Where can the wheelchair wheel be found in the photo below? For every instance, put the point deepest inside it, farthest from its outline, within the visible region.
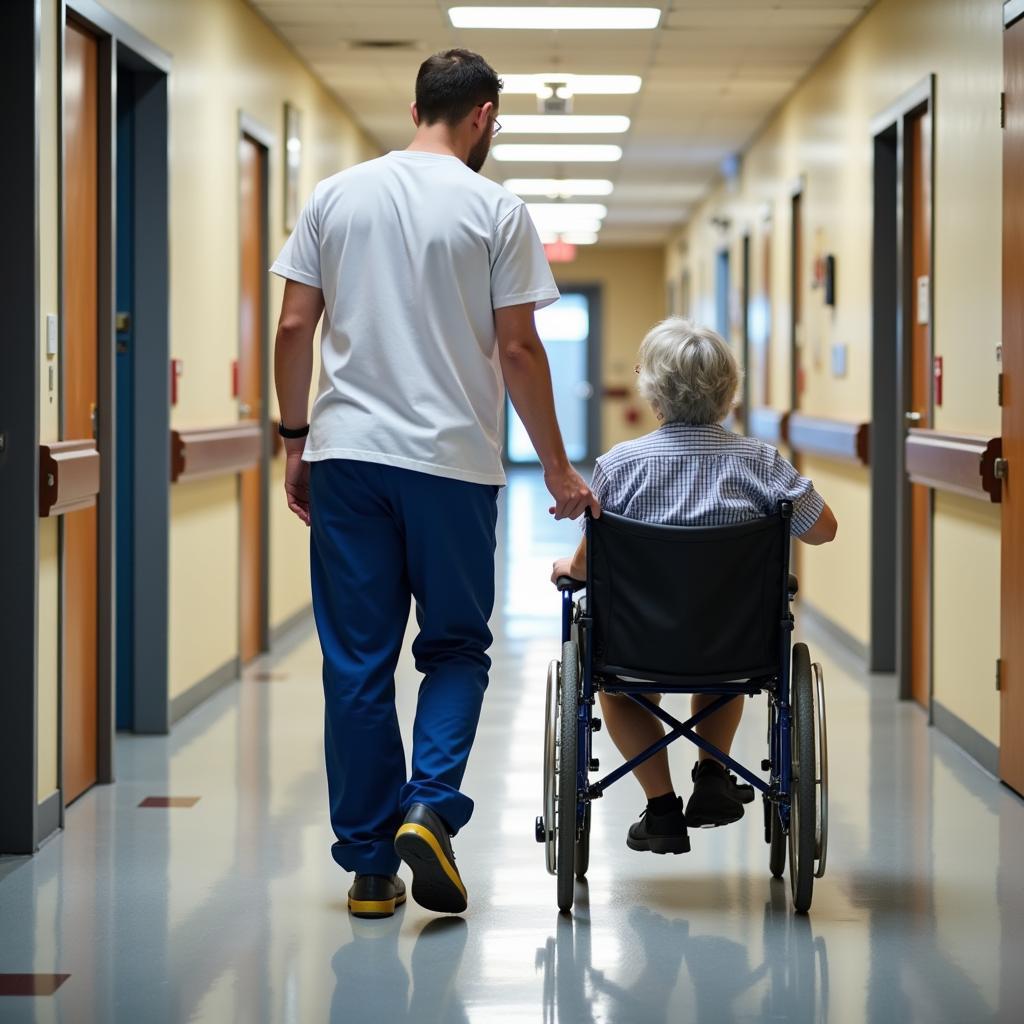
(803, 813)
(566, 796)
(583, 847)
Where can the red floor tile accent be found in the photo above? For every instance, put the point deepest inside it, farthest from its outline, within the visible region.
(170, 801)
(31, 984)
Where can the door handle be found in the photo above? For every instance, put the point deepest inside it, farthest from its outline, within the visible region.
(912, 418)
(244, 410)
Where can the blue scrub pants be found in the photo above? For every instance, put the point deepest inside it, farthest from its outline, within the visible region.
(380, 537)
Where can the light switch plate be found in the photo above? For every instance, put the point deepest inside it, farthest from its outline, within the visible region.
(51, 334)
(839, 360)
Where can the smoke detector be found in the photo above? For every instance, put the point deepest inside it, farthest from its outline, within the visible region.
(555, 97)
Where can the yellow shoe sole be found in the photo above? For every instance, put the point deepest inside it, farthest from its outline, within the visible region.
(436, 884)
(375, 908)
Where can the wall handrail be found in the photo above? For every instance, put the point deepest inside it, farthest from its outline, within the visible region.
(846, 440)
(215, 451)
(960, 463)
(767, 424)
(69, 476)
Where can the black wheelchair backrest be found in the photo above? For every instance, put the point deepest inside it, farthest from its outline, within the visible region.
(684, 603)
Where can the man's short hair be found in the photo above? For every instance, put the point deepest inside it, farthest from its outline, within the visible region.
(688, 372)
(450, 84)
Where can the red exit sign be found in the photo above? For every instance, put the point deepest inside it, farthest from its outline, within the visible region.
(560, 252)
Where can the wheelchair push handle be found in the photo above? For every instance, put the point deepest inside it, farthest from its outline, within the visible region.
(568, 583)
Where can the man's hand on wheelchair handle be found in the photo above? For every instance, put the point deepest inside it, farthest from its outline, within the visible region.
(559, 568)
(571, 493)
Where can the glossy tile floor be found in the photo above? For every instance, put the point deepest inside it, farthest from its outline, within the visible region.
(232, 910)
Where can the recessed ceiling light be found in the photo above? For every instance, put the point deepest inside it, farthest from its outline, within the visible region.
(563, 154)
(564, 124)
(555, 17)
(578, 85)
(559, 187)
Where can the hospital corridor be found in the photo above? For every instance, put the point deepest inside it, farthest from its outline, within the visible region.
(508, 513)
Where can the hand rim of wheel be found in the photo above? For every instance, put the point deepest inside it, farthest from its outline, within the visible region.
(821, 782)
(551, 765)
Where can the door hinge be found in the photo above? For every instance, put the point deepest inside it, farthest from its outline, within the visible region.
(1000, 469)
(1002, 110)
(999, 674)
(999, 390)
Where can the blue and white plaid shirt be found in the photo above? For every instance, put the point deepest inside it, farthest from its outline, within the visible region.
(689, 475)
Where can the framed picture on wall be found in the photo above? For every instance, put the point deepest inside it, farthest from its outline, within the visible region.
(292, 165)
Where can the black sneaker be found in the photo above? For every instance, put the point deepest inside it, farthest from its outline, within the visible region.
(424, 843)
(660, 833)
(376, 895)
(717, 797)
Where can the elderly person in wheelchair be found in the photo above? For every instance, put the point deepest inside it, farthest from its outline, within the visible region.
(690, 472)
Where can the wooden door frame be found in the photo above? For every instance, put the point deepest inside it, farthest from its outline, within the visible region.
(264, 137)
(891, 354)
(20, 822)
(797, 191)
(745, 297)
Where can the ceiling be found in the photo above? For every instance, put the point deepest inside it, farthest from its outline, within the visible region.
(712, 73)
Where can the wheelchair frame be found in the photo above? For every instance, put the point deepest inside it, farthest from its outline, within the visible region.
(777, 792)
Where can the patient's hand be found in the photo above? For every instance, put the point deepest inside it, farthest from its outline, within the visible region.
(561, 567)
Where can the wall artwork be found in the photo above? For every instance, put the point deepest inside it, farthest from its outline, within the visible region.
(292, 165)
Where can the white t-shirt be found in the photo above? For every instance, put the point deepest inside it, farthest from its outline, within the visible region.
(414, 252)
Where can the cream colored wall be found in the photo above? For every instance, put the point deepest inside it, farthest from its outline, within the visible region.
(822, 137)
(226, 60)
(632, 280)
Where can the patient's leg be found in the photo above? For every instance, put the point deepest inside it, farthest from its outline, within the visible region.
(633, 729)
(720, 727)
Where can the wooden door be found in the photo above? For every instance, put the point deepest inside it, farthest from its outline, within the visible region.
(764, 390)
(252, 161)
(1011, 738)
(796, 339)
(80, 366)
(917, 150)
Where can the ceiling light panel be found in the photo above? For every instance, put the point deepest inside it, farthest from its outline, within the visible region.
(555, 17)
(567, 211)
(561, 188)
(579, 85)
(561, 154)
(564, 124)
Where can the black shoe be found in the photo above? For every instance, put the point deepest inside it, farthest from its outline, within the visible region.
(424, 843)
(717, 797)
(376, 895)
(660, 833)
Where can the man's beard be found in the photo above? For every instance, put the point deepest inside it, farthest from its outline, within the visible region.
(478, 154)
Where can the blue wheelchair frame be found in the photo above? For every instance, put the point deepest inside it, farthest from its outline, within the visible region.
(777, 789)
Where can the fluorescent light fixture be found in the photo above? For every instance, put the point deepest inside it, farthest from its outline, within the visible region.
(567, 211)
(560, 188)
(580, 237)
(577, 85)
(563, 124)
(562, 154)
(555, 17)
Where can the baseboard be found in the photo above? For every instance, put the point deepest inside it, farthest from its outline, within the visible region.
(984, 751)
(835, 632)
(48, 814)
(205, 688)
(292, 631)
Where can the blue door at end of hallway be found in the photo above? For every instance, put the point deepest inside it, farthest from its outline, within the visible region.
(565, 329)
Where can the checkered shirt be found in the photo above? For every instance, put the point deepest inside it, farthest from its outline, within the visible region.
(688, 475)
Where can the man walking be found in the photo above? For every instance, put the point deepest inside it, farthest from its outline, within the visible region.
(427, 275)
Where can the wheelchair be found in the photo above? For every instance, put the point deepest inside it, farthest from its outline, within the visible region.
(673, 609)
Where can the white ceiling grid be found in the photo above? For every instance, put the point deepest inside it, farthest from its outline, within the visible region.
(712, 73)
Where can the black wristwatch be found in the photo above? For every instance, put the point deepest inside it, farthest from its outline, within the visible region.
(290, 433)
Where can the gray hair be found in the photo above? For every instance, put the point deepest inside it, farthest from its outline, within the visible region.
(688, 373)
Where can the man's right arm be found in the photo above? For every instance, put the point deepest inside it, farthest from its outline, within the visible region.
(824, 529)
(524, 364)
